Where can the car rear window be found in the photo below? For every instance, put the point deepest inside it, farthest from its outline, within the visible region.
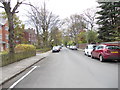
(91, 47)
(112, 47)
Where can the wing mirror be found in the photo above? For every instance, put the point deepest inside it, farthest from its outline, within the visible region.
(94, 48)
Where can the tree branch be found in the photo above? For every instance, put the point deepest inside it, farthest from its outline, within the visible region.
(16, 6)
(1, 1)
(1, 7)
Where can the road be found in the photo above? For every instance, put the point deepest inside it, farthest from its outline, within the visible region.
(69, 69)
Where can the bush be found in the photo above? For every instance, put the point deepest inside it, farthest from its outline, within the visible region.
(42, 50)
(4, 52)
(24, 47)
(22, 51)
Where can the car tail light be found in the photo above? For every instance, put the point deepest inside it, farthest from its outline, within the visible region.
(107, 51)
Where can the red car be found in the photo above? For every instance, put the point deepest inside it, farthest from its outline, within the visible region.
(106, 52)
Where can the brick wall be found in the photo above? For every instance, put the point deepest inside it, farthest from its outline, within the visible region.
(5, 34)
(82, 46)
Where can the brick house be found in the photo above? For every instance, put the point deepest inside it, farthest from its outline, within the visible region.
(30, 36)
(4, 36)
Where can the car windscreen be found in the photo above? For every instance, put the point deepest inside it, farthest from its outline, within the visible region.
(55, 47)
(112, 47)
(91, 47)
(74, 46)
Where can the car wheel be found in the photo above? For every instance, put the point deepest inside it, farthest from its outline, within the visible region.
(87, 54)
(92, 56)
(101, 58)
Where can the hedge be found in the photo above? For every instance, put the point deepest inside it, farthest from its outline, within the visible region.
(42, 50)
(24, 47)
(21, 52)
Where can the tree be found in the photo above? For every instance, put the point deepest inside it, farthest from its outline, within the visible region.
(82, 37)
(66, 39)
(75, 25)
(18, 30)
(89, 17)
(56, 36)
(33, 16)
(18, 27)
(109, 21)
(6, 5)
(45, 21)
(48, 21)
(91, 36)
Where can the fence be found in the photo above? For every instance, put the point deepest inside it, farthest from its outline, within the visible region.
(11, 58)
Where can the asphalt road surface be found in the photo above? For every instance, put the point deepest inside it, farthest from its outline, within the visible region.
(69, 69)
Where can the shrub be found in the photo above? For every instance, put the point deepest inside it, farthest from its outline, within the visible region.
(42, 50)
(24, 47)
(4, 52)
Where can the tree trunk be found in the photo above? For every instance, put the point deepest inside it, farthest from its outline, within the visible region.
(38, 37)
(11, 33)
(45, 38)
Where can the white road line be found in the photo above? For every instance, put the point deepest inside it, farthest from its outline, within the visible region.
(12, 86)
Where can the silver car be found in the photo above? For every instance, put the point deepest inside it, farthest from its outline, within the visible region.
(56, 49)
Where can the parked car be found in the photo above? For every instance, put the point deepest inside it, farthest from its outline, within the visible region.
(89, 48)
(106, 52)
(68, 46)
(60, 46)
(56, 49)
(73, 47)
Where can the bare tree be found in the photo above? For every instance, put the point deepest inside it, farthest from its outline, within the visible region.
(6, 5)
(90, 18)
(76, 24)
(33, 16)
(45, 20)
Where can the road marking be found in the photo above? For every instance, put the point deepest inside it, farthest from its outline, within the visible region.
(34, 67)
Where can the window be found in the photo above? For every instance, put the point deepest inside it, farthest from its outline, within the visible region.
(0, 27)
(91, 47)
(7, 45)
(113, 47)
(6, 36)
(0, 36)
(6, 28)
(86, 47)
(17, 41)
(99, 47)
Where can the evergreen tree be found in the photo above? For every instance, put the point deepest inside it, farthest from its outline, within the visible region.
(109, 21)
(18, 28)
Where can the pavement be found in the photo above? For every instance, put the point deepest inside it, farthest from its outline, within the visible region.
(10, 71)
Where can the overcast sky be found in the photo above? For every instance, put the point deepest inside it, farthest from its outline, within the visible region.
(63, 8)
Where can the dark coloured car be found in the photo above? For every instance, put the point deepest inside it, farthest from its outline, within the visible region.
(106, 52)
